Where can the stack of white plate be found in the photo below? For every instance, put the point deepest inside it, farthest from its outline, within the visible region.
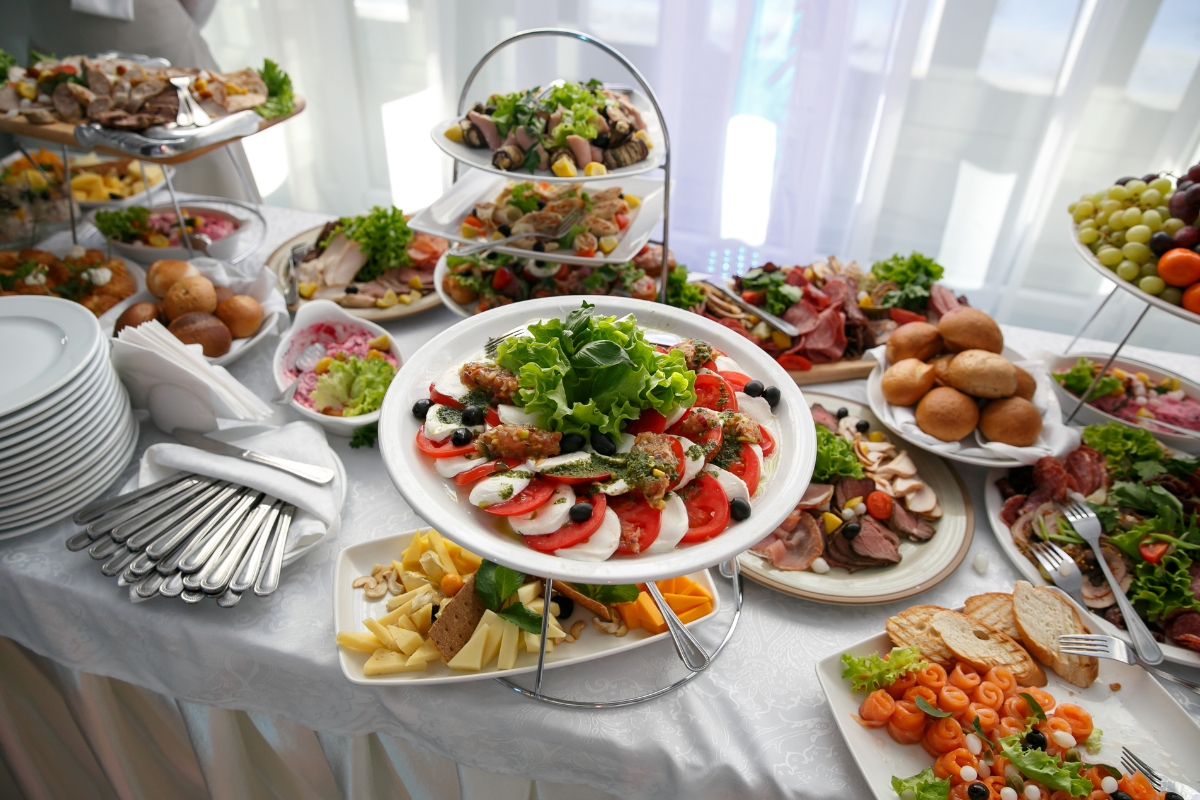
(66, 428)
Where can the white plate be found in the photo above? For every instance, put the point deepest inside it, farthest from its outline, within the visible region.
(57, 338)
(1029, 570)
(1141, 716)
(36, 441)
(1090, 415)
(465, 194)
(65, 396)
(434, 499)
(351, 607)
(923, 565)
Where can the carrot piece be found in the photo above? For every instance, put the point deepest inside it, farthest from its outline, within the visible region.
(629, 614)
(696, 613)
(651, 619)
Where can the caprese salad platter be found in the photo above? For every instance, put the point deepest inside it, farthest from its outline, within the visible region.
(620, 442)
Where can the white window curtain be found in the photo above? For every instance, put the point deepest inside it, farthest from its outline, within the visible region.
(859, 128)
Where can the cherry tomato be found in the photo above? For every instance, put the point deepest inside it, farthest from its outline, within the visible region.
(1153, 551)
(794, 362)
(622, 220)
(707, 508)
(473, 221)
(755, 298)
(562, 273)
(713, 392)
(650, 421)
(532, 496)
(588, 253)
(640, 523)
(747, 468)
(1179, 267)
(443, 399)
(492, 417)
(485, 469)
(573, 532)
(767, 443)
(443, 449)
(737, 380)
(901, 316)
(879, 505)
(502, 277)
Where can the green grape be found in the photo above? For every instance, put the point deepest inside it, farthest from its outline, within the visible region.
(1161, 184)
(1152, 220)
(1071, 208)
(1109, 206)
(1139, 233)
(1090, 222)
(1150, 198)
(1173, 225)
(1135, 187)
(1116, 221)
(1136, 251)
(1128, 271)
(1088, 235)
(1163, 211)
(1110, 257)
(1084, 209)
(1172, 295)
(1149, 270)
(1117, 239)
(1152, 284)
(1096, 245)
(1117, 192)
(1105, 230)
(1131, 216)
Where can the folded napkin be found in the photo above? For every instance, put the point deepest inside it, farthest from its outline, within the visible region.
(261, 285)
(1056, 438)
(318, 507)
(113, 9)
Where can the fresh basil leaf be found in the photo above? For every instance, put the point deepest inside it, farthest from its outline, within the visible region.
(577, 320)
(520, 615)
(923, 704)
(1034, 706)
(979, 732)
(494, 584)
(621, 593)
(1116, 773)
(601, 353)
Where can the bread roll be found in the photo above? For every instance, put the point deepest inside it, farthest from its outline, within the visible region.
(241, 314)
(970, 329)
(907, 381)
(941, 369)
(165, 273)
(1013, 420)
(223, 293)
(1026, 384)
(135, 315)
(203, 329)
(980, 373)
(947, 414)
(190, 295)
(913, 340)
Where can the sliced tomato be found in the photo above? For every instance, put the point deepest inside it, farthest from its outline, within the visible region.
(709, 365)
(586, 252)
(737, 380)
(443, 399)
(680, 461)
(794, 362)
(1153, 551)
(767, 443)
(442, 449)
(746, 467)
(650, 421)
(572, 533)
(532, 496)
(640, 523)
(707, 508)
(492, 416)
(577, 479)
(713, 392)
(755, 298)
(485, 469)
(710, 440)
(622, 220)
(902, 316)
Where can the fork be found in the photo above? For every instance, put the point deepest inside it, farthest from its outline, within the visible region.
(1087, 525)
(1096, 645)
(493, 345)
(563, 229)
(1061, 568)
(1132, 763)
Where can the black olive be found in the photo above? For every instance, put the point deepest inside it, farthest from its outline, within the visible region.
(771, 395)
(351, 290)
(621, 195)
(843, 412)
(505, 230)
(434, 614)
(581, 512)
(602, 444)
(978, 791)
(754, 388)
(571, 443)
(1036, 740)
(601, 140)
(421, 408)
(539, 263)
(492, 256)
(851, 529)
(460, 437)
(541, 204)
(489, 110)
(566, 606)
(1119, 795)
(472, 415)
(1174, 796)
(739, 509)
(862, 426)
(538, 247)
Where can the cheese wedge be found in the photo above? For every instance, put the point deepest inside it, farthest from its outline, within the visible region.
(495, 638)
(363, 641)
(532, 641)
(696, 613)
(407, 641)
(423, 618)
(381, 633)
(395, 602)
(528, 592)
(680, 603)
(510, 640)
(389, 662)
(439, 547)
(407, 624)
(411, 557)
(424, 653)
(470, 657)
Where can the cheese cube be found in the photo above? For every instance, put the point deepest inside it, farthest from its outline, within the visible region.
(470, 657)
(696, 613)
(528, 592)
(407, 641)
(680, 603)
(424, 653)
(629, 614)
(652, 619)
(382, 633)
(388, 662)
(510, 640)
(363, 642)
(423, 618)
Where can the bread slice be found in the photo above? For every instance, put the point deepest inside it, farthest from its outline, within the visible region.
(911, 628)
(994, 609)
(1042, 615)
(984, 648)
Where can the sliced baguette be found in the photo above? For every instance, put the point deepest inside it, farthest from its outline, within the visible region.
(911, 628)
(994, 609)
(985, 648)
(1042, 615)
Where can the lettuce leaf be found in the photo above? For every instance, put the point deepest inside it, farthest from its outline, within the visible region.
(872, 672)
(1158, 589)
(280, 97)
(835, 458)
(903, 270)
(1044, 768)
(680, 293)
(1078, 378)
(353, 387)
(1123, 446)
(924, 786)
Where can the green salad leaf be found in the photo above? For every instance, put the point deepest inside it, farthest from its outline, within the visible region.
(1158, 589)
(366, 436)
(524, 197)
(835, 458)
(924, 786)
(1151, 500)
(780, 295)
(517, 109)
(280, 97)
(592, 372)
(872, 672)
(383, 236)
(680, 293)
(6, 60)
(354, 387)
(123, 224)
(609, 594)
(1078, 378)
(913, 268)
(1123, 446)
(1044, 768)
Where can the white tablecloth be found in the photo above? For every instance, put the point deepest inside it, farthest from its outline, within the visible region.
(755, 724)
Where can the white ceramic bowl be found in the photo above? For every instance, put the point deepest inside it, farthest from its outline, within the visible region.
(434, 498)
(224, 248)
(1090, 415)
(311, 314)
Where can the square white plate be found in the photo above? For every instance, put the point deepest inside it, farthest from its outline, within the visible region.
(351, 607)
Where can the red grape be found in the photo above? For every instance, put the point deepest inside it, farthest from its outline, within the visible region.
(1187, 236)
(1149, 176)
(1180, 209)
(1193, 173)
(1125, 180)
(1193, 196)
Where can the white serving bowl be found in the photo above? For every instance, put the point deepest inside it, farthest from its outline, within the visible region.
(327, 311)
(1090, 415)
(223, 249)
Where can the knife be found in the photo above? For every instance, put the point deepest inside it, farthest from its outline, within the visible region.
(308, 472)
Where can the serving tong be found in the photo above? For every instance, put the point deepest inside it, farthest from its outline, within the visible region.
(190, 537)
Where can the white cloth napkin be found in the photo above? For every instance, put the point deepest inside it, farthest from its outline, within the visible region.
(113, 9)
(318, 507)
(261, 285)
(1056, 438)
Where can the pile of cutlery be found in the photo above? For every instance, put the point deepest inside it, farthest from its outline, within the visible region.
(190, 537)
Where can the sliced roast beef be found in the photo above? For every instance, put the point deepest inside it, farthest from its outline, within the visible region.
(1184, 630)
(849, 488)
(942, 300)
(1089, 469)
(910, 525)
(839, 554)
(822, 417)
(1012, 509)
(875, 541)
(803, 315)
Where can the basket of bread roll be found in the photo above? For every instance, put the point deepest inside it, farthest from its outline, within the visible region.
(954, 388)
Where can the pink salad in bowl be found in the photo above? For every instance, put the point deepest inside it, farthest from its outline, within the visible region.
(1133, 397)
(351, 379)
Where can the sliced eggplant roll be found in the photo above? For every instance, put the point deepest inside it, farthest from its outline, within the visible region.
(620, 127)
(510, 157)
(629, 153)
(471, 135)
(560, 153)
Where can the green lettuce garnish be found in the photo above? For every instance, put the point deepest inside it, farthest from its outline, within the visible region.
(354, 387)
(1044, 768)
(914, 274)
(680, 293)
(1078, 378)
(872, 672)
(924, 786)
(280, 97)
(383, 236)
(780, 295)
(835, 458)
(594, 373)
(1124, 447)
(123, 224)
(1158, 589)
(6, 60)
(517, 109)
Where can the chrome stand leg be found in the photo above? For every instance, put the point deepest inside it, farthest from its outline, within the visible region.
(1090, 319)
(1107, 364)
(49, 182)
(184, 236)
(70, 195)
(251, 189)
(547, 588)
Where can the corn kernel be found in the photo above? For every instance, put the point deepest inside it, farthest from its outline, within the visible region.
(380, 342)
(852, 502)
(1119, 373)
(607, 244)
(632, 200)
(1143, 377)
(1142, 412)
(414, 282)
(323, 365)
(454, 133)
(388, 300)
(595, 168)
(781, 340)
(753, 319)
(645, 138)
(876, 436)
(563, 168)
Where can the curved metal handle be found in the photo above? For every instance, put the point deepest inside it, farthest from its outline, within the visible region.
(307, 471)
(268, 579)
(1147, 649)
(694, 656)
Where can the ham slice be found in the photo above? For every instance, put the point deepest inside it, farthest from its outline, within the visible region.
(843, 293)
(803, 316)
(942, 300)
(342, 270)
(827, 341)
(795, 549)
(523, 138)
(487, 126)
(581, 148)
(816, 495)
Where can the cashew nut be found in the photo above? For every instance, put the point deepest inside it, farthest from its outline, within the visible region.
(393, 582)
(375, 570)
(606, 627)
(577, 630)
(377, 591)
(364, 581)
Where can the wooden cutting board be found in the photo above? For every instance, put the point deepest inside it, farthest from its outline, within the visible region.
(837, 371)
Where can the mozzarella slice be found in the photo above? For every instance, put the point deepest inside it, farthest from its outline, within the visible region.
(619, 486)
(456, 465)
(727, 364)
(511, 415)
(500, 487)
(755, 408)
(548, 518)
(450, 384)
(626, 443)
(693, 461)
(440, 422)
(673, 526)
(733, 485)
(564, 460)
(547, 271)
(675, 416)
(600, 545)
(758, 452)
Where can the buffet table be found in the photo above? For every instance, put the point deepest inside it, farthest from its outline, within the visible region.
(230, 699)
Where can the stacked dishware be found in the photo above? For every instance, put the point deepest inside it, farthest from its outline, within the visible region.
(66, 427)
